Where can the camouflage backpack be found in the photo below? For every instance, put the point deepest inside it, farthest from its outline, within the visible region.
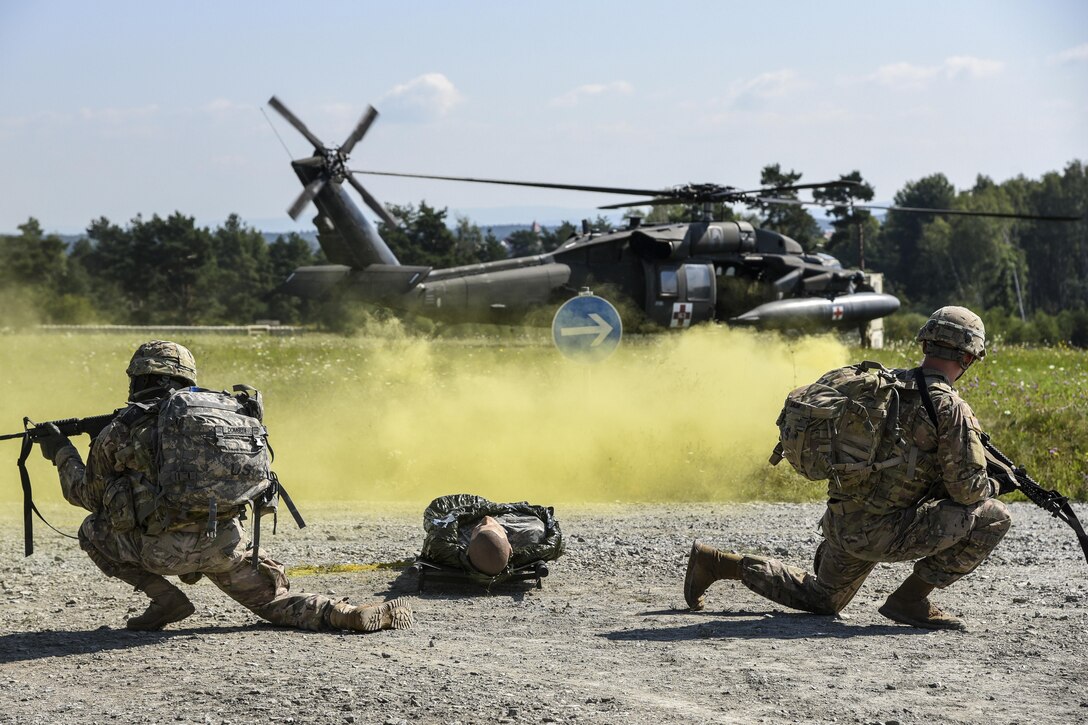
(213, 458)
(844, 427)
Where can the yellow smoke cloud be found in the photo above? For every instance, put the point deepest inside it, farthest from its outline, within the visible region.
(390, 417)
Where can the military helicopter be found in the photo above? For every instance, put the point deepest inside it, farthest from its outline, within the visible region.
(677, 274)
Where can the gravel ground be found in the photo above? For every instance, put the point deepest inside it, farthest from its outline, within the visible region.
(606, 640)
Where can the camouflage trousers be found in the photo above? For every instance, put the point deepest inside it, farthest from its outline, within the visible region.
(948, 539)
(222, 559)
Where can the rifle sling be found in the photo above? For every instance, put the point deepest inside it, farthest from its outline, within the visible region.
(927, 401)
(28, 500)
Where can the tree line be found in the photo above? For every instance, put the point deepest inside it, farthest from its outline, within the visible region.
(171, 271)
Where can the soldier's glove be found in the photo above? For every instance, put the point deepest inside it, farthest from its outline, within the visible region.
(51, 440)
(1003, 474)
(1006, 484)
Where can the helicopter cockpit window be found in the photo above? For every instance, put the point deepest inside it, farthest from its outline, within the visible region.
(699, 281)
(669, 283)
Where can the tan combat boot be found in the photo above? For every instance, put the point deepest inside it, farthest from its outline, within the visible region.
(909, 604)
(168, 604)
(707, 565)
(394, 614)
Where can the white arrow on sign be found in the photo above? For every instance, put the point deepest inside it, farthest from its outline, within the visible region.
(601, 329)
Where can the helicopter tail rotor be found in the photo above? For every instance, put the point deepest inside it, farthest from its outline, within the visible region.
(332, 162)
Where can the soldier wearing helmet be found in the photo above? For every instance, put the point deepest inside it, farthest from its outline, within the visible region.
(128, 536)
(937, 507)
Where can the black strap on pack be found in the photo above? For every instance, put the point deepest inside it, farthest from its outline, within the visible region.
(28, 498)
(276, 489)
(927, 401)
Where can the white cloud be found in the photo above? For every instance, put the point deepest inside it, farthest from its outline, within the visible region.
(224, 105)
(1077, 54)
(774, 84)
(763, 87)
(117, 115)
(915, 77)
(590, 90)
(425, 98)
(973, 67)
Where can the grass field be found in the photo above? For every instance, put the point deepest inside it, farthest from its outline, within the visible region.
(386, 416)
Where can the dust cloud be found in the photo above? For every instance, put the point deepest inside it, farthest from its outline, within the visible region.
(668, 418)
(391, 417)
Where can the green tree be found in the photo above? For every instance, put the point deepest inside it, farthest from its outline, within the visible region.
(1057, 252)
(242, 272)
(33, 258)
(163, 269)
(853, 228)
(901, 237)
(524, 243)
(285, 255)
(793, 221)
(423, 238)
(555, 237)
(473, 243)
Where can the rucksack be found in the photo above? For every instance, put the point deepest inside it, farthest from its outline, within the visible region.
(212, 458)
(845, 426)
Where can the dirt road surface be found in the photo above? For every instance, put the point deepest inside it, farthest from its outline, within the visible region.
(606, 640)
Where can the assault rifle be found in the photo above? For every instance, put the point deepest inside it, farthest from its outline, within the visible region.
(69, 426)
(31, 432)
(1001, 467)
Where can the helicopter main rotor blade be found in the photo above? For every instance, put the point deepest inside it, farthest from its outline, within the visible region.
(720, 195)
(294, 121)
(360, 130)
(534, 184)
(646, 202)
(310, 161)
(795, 187)
(306, 196)
(373, 203)
(920, 210)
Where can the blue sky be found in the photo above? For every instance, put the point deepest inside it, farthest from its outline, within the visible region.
(122, 108)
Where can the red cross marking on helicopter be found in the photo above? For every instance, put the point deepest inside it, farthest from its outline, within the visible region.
(836, 312)
(681, 315)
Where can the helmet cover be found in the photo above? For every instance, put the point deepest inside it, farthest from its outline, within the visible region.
(162, 357)
(956, 330)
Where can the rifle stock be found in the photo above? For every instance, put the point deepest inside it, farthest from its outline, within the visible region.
(1050, 501)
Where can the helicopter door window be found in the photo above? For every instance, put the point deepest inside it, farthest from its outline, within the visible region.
(699, 282)
(669, 283)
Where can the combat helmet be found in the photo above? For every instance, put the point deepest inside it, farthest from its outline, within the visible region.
(162, 357)
(952, 331)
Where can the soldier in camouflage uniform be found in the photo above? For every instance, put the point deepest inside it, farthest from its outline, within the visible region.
(489, 540)
(941, 509)
(128, 538)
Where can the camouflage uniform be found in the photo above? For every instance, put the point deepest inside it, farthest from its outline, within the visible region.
(533, 532)
(127, 537)
(944, 512)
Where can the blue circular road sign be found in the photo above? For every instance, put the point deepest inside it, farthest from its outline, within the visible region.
(587, 328)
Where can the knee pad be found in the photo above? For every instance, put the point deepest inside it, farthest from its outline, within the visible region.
(994, 514)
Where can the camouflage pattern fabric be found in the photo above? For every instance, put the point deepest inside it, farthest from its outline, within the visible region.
(942, 510)
(209, 450)
(951, 462)
(951, 539)
(162, 357)
(448, 520)
(123, 539)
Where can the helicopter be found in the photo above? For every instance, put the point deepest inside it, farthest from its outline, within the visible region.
(675, 274)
